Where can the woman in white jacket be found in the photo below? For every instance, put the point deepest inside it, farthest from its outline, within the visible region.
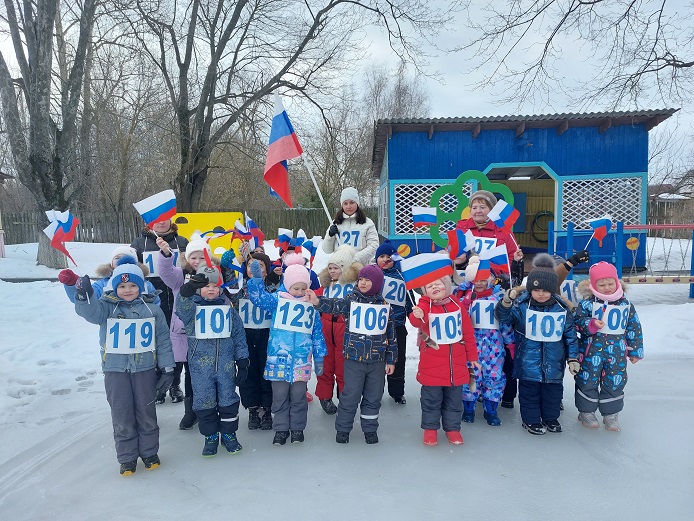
(352, 226)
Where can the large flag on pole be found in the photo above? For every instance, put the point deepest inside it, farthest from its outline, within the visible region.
(283, 145)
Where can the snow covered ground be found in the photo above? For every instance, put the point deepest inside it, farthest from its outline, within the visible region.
(57, 459)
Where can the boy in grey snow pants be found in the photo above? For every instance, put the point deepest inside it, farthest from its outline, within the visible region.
(369, 379)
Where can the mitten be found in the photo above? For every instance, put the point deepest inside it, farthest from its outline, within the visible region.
(256, 270)
(509, 297)
(165, 380)
(68, 277)
(503, 280)
(574, 366)
(242, 371)
(332, 231)
(228, 258)
(196, 282)
(579, 257)
(83, 288)
(318, 367)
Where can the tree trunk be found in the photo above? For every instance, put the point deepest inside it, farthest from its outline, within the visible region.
(49, 256)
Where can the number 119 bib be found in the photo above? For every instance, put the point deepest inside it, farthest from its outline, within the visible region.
(129, 336)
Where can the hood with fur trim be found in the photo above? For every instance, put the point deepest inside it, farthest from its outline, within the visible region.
(348, 276)
(188, 268)
(583, 288)
(106, 270)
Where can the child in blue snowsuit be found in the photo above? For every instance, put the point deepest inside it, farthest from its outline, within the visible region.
(492, 340)
(610, 333)
(217, 357)
(395, 294)
(546, 342)
(296, 339)
(134, 340)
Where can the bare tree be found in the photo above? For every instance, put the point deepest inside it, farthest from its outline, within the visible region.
(631, 47)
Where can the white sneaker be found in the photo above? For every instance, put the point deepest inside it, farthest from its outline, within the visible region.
(588, 420)
(611, 422)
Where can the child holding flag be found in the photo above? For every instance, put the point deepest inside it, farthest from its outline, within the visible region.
(370, 352)
(396, 295)
(610, 333)
(129, 360)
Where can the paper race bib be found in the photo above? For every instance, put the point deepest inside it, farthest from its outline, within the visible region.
(149, 259)
(127, 336)
(446, 328)
(569, 290)
(544, 326)
(353, 238)
(482, 314)
(338, 290)
(394, 291)
(484, 243)
(615, 318)
(254, 317)
(292, 315)
(368, 319)
(212, 322)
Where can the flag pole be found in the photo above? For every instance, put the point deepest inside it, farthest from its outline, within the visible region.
(315, 184)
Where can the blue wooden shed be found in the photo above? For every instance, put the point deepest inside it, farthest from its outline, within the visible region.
(560, 167)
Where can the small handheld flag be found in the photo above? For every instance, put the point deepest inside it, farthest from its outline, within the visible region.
(459, 242)
(241, 232)
(498, 258)
(419, 270)
(283, 145)
(423, 216)
(256, 232)
(311, 249)
(600, 227)
(284, 236)
(484, 270)
(158, 207)
(61, 230)
(503, 215)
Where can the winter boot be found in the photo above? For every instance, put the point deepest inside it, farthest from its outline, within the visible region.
(535, 428)
(266, 422)
(400, 400)
(128, 468)
(490, 413)
(176, 394)
(211, 445)
(342, 437)
(552, 425)
(328, 406)
(189, 417)
(151, 462)
(469, 411)
(160, 398)
(280, 437)
(611, 422)
(507, 404)
(588, 420)
(253, 419)
(431, 437)
(371, 438)
(231, 444)
(454, 437)
(297, 437)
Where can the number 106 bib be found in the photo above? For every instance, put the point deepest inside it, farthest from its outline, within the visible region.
(368, 319)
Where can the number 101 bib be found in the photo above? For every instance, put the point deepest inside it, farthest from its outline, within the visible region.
(368, 319)
(127, 336)
(544, 326)
(212, 322)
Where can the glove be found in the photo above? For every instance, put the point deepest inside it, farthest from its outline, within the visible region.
(196, 282)
(165, 380)
(242, 371)
(509, 297)
(579, 257)
(503, 280)
(574, 366)
(83, 288)
(256, 270)
(68, 277)
(228, 258)
(332, 231)
(318, 366)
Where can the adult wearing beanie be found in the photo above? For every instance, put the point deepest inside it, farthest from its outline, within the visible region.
(352, 226)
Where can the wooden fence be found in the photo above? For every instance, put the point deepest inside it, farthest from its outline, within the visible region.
(23, 227)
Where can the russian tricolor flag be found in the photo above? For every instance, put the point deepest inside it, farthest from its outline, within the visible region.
(497, 257)
(311, 249)
(61, 230)
(459, 242)
(158, 207)
(600, 228)
(241, 232)
(419, 270)
(423, 216)
(484, 270)
(283, 145)
(284, 237)
(256, 232)
(503, 215)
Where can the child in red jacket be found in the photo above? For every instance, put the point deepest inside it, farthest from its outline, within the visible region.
(446, 346)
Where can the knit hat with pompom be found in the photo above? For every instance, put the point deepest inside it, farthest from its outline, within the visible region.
(542, 276)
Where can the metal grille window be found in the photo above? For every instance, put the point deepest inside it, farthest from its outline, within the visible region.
(620, 197)
(409, 195)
